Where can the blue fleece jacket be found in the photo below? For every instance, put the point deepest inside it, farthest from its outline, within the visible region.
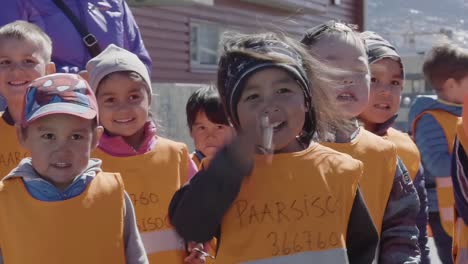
(432, 144)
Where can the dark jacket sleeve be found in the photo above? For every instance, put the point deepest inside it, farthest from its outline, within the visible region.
(422, 218)
(361, 238)
(196, 210)
(459, 177)
(399, 237)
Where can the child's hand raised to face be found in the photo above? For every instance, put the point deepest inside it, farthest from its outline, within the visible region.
(197, 253)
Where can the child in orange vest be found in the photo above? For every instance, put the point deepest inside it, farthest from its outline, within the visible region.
(434, 122)
(152, 167)
(25, 52)
(460, 188)
(384, 101)
(58, 206)
(386, 187)
(208, 124)
(294, 201)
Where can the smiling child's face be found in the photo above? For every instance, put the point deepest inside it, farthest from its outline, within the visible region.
(274, 93)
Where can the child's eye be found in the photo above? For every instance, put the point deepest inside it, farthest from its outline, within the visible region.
(251, 97)
(5, 62)
(396, 83)
(77, 137)
(373, 80)
(134, 97)
(221, 127)
(30, 61)
(109, 100)
(48, 136)
(201, 128)
(283, 90)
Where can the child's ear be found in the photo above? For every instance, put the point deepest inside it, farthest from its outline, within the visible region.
(97, 136)
(84, 74)
(20, 134)
(50, 68)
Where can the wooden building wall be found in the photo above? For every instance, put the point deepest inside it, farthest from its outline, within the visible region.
(166, 29)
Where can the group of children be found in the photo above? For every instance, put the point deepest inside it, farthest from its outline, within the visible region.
(295, 161)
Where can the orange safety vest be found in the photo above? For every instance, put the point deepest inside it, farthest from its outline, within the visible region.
(11, 151)
(196, 160)
(460, 236)
(444, 186)
(293, 210)
(151, 179)
(406, 149)
(87, 228)
(380, 159)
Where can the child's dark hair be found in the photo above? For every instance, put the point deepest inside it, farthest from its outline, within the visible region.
(444, 61)
(242, 52)
(205, 100)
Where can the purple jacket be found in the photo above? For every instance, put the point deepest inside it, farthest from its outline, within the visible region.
(111, 21)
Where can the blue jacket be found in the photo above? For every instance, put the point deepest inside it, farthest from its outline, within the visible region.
(432, 144)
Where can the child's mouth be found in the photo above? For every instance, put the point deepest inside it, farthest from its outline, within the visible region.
(384, 107)
(61, 165)
(278, 126)
(18, 83)
(346, 97)
(124, 121)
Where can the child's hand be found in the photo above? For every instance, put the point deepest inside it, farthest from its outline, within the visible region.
(197, 253)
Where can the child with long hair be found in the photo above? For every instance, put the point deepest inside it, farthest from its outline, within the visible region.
(386, 187)
(272, 195)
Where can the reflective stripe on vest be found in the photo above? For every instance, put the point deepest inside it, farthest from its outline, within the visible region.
(445, 197)
(298, 204)
(325, 256)
(159, 241)
(151, 179)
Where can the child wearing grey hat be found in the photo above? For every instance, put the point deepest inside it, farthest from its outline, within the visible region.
(152, 167)
(116, 59)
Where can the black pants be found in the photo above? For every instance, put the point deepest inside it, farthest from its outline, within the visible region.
(442, 240)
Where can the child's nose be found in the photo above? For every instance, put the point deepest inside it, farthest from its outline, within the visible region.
(385, 88)
(63, 146)
(16, 67)
(270, 110)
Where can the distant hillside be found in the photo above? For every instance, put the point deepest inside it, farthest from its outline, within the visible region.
(409, 24)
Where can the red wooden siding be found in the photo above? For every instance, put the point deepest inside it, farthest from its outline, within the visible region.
(166, 30)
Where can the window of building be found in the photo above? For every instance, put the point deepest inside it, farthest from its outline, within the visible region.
(204, 46)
